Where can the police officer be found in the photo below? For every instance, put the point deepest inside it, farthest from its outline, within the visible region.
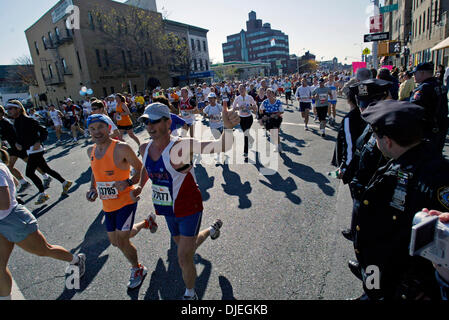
(432, 96)
(367, 158)
(354, 132)
(416, 177)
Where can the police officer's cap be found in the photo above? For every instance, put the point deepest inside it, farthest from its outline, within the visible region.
(400, 117)
(369, 91)
(425, 66)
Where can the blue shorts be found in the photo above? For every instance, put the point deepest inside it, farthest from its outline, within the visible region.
(122, 219)
(334, 102)
(18, 225)
(186, 226)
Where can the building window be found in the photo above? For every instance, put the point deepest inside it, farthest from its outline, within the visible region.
(105, 92)
(79, 60)
(106, 58)
(97, 53)
(58, 35)
(64, 64)
(124, 59)
(44, 41)
(145, 56)
(193, 44)
(198, 43)
(207, 65)
(91, 21)
(195, 66)
(37, 47)
(50, 37)
(201, 64)
(50, 70)
(204, 46)
(112, 90)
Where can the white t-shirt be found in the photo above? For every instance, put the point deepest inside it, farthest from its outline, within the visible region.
(112, 106)
(7, 180)
(304, 94)
(87, 109)
(215, 115)
(54, 115)
(206, 92)
(243, 105)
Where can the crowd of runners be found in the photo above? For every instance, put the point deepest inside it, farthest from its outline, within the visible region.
(120, 171)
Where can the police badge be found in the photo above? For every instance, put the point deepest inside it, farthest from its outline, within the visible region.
(363, 90)
(443, 197)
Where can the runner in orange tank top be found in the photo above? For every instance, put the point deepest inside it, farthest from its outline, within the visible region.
(111, 161)
(123, 119)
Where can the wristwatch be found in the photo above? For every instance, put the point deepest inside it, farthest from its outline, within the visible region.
(130, 182)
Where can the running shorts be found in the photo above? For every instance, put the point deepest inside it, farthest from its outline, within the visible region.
(334, 102)
(186, 226)
(322, 113)
(18, 225)
(13, 152)
(305, 105)
(126, 128)
(272, 123)
(122, 219)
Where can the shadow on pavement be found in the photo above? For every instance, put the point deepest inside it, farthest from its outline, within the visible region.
(226, 289)
(307, 173)
(94, 244)
(166, 282)
(277, 183)
(204, 181)
(234, 187)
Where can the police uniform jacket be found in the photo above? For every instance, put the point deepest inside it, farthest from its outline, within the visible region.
(383, 219)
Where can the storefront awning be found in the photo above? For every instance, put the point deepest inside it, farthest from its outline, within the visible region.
(442, 45)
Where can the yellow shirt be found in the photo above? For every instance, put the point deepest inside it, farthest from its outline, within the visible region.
(406, 89)
(140, 100)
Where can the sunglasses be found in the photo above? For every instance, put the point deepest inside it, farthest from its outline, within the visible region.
(148, 121)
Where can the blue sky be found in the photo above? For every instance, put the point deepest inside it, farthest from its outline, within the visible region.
(327, 28)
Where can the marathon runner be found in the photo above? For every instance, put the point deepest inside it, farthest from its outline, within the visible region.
(271, 110)
(188, 109)
(30, 136)
(123, 118)
(331, 84)
(56, 116)
(19, 227)
(168, 163)
(73, 112)
(111, 163)
(322, 95)
(304, 96)
(245, 104)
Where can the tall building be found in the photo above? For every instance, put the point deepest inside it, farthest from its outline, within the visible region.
(418, 25)
(259, 43)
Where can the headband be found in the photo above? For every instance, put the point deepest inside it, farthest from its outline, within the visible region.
(97, 118)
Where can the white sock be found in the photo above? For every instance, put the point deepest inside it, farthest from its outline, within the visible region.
(190, 292)
(23, 181)
(75, 260)
(45, 176)
(5, 298)
(212, 231)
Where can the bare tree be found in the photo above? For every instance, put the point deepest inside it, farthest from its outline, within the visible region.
(136, 37)
(24, 71)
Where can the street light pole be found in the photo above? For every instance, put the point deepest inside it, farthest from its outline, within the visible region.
(375, 43)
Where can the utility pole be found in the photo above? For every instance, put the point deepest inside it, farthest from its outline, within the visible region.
(375, 43)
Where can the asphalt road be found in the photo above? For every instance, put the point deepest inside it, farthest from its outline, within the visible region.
(280, 239)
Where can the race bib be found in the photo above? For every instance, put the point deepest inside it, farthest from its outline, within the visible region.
(70, 113)
(161, 196)
(106, 191)
(246, 109)
(215, 118)
(323, 98)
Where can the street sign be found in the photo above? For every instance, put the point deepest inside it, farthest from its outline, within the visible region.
(389, 8)
(376, 36)
(376, 24)
(366, 51)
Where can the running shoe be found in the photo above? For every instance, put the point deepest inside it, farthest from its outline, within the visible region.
(47, 182)
(216, 226)
(188, 298)
(66, 186)
(81, 264)
(150, 223)
(42, 198)
(23, 187)
(137, 276)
